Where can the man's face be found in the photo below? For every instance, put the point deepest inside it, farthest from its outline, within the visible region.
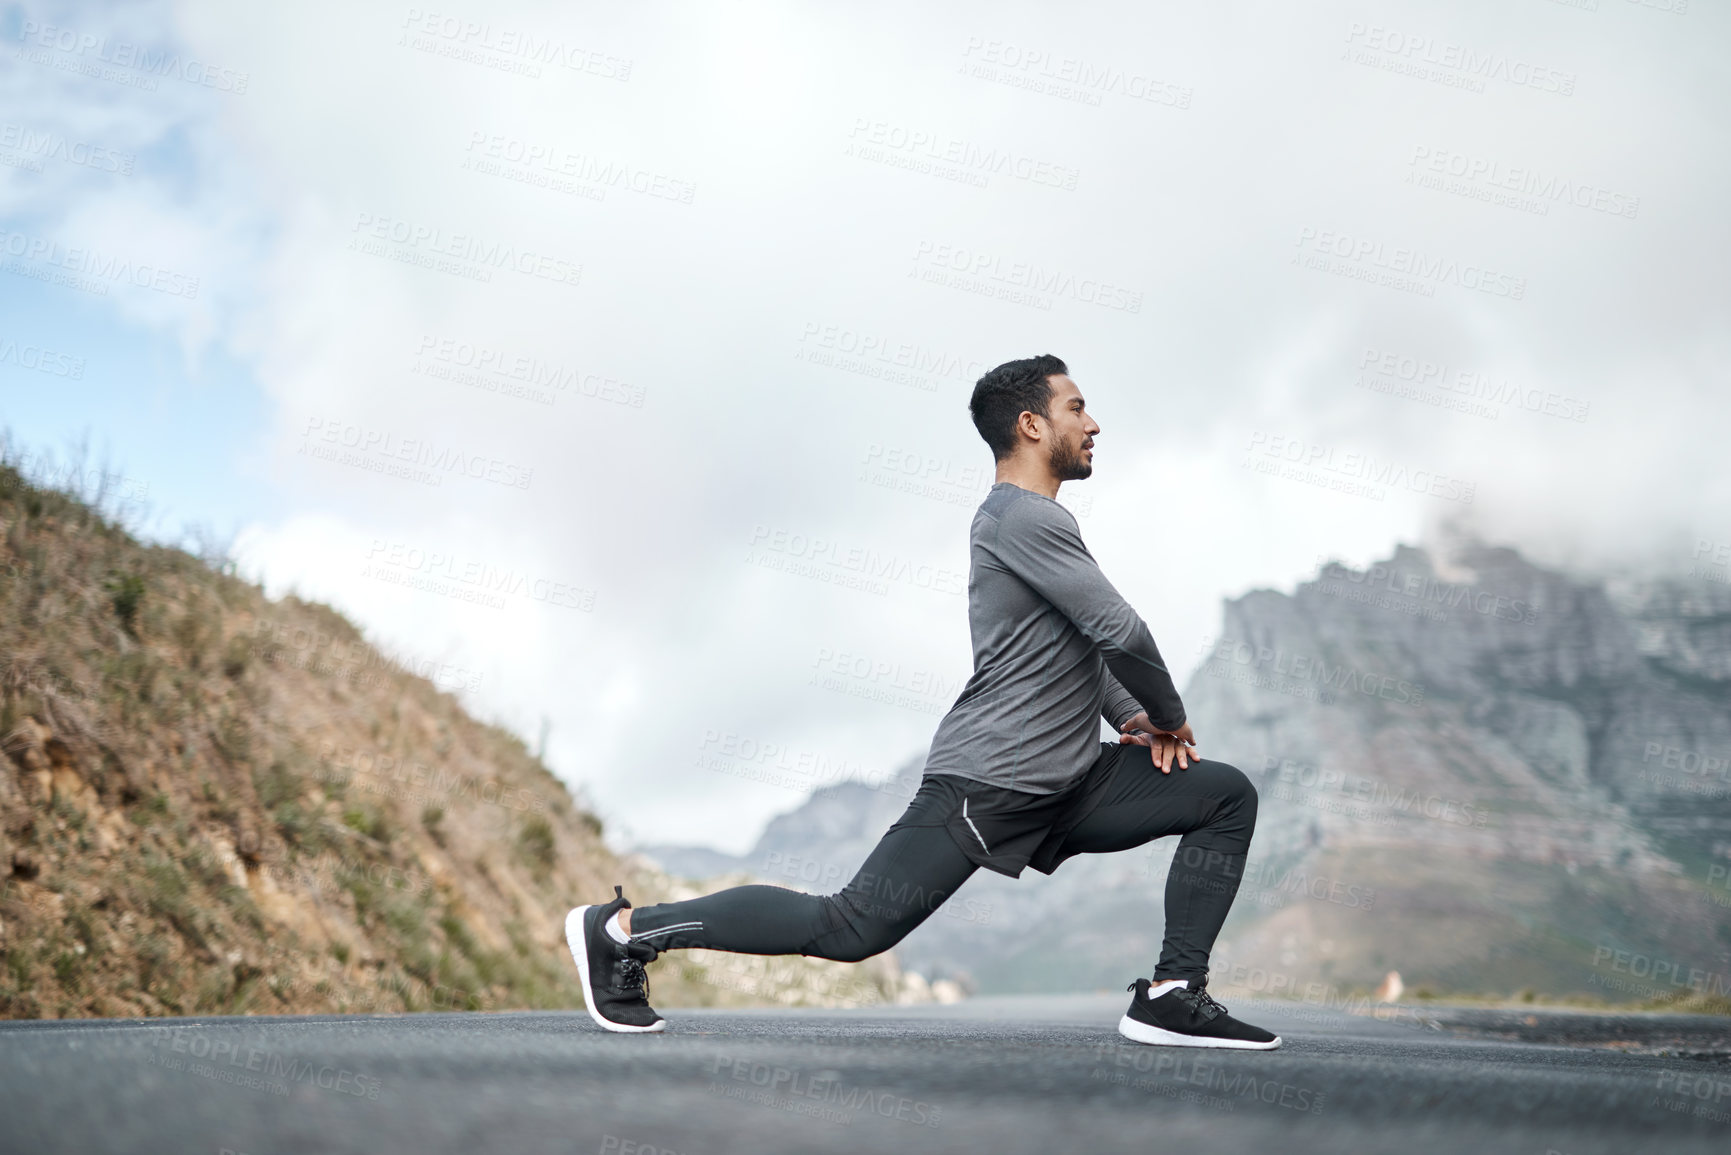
(1072, 431)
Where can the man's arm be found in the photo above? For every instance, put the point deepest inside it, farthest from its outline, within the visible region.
(1121, 705)
(1038, 541)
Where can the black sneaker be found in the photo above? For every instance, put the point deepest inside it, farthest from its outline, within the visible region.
(1187, 1017)
(615, 985)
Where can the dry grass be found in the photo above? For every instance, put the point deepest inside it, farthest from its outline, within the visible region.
(215, 803)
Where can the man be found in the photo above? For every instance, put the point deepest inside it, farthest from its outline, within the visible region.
(1016, 774)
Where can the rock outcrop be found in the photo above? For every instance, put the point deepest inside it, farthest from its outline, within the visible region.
(1530, 771)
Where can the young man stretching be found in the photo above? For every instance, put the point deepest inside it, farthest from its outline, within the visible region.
(1016, 775)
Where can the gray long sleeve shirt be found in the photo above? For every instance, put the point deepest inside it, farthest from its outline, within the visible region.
(1055, 648)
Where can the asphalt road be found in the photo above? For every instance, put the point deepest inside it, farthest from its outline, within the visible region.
(993, 1075)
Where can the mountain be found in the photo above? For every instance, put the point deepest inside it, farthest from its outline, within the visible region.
(1482, 774)
(216, 803)
(1530, 770)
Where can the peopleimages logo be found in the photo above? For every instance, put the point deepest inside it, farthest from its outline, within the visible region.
(1023, 275)
(1661, 970)
(866, 563)
(342, 764)
(1070, 77)
(1299, 668)
(152, 62)
(442, 571)
(1267, 451)
(975, 159)
(45, 145)
(475, 253)
(1401, 262)
(80, 262)
(1281, 775)
(1688, 761)
(415, 451)
(1523, 179)
(1174, 1074)
(1715, 553)
(490, 368)
(1296, 880)
(796, 1091)
(479, 42)
(1470, 383)
(41, 359)
(879, 355)
(552, 161)
(1426, 589)
(777, 763)
(240, 1059)
(1417, 51)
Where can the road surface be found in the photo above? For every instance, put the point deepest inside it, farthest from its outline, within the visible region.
(1040, 1074)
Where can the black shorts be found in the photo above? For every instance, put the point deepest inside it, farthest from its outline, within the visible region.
(1005, 830)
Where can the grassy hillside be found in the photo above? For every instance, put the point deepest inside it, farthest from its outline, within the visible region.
(216, 803)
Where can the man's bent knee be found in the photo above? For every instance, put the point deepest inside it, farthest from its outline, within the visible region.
(1238, 791)
(847, 950)
(857, 931)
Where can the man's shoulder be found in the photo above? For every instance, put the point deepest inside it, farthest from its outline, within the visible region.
(1011, 505)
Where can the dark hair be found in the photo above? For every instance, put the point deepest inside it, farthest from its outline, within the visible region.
(1005, 393)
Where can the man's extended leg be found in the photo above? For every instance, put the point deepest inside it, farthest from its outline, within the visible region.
(908, 875)
(1213, 806)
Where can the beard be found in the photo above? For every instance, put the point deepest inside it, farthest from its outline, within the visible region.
(1069, 464)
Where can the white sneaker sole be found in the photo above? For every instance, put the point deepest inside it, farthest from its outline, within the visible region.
(580, 956)
(1140, 1032)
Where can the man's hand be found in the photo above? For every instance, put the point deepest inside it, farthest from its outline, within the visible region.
(1179, 744)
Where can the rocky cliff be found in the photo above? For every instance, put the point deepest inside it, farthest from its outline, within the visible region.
(1532, 772)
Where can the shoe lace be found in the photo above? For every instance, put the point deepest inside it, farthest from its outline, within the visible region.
(1198, 998)
(633, 979)
(1202, 1001)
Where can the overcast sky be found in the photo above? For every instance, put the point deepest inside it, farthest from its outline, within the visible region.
(619, 355)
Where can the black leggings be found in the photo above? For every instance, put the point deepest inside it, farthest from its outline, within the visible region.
(914, 868)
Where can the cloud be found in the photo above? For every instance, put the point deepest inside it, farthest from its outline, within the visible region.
(617, 301)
